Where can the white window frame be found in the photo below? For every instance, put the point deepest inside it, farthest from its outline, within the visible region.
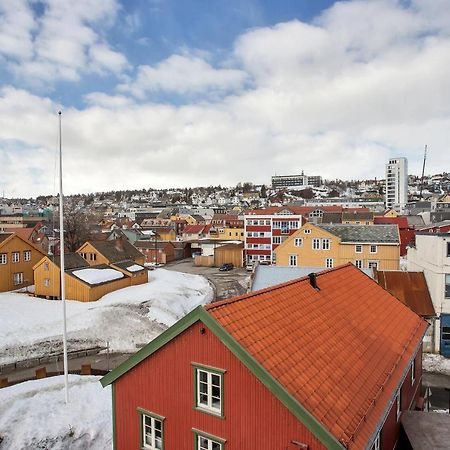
(15, 257)
(326, 244)
(27, 255)
(210, 374)
(276, 239)
(210, 441)
(46, 282)
(3, 258)
(373, 264)
(359, 263)
(377, 442)
(307, 231)
(373, 248)
(293, 260)
(358, 248)
(329, 263)
(315, 244)
(17, 278)
(153, 419)
(298, 242)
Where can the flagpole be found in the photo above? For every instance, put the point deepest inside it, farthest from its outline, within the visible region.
(62, 266)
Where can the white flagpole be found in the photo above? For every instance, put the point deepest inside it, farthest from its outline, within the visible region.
(62, 266)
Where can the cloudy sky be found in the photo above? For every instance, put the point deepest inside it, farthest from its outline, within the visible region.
(165, 93)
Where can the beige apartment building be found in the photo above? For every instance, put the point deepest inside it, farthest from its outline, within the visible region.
(366, 246)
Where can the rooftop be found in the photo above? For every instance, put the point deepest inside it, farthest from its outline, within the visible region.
(386, 234)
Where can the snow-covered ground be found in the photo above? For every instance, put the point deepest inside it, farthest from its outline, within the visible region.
(128, 318)
(33, 415)
(436, 364)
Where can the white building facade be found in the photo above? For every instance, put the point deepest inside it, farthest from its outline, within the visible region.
(397, 184)
(432, 256)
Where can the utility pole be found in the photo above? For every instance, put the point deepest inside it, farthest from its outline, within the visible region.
(423, 171)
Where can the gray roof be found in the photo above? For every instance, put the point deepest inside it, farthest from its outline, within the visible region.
(71, 261)
(267, 276)
(387, 234)
(415, 221)
(116, 251)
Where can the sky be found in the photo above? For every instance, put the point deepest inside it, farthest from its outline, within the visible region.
(171, 93)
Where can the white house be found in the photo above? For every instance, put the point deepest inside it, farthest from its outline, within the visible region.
(431, 255)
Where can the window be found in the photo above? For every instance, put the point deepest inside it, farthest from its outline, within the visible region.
(3, 258)
(276, 224)
(298, 242)
(316, 244)
(46, 266)
(267, 222)
(358, 248)
(15, 257)
(372, 264)
(209, 385)
(373, 249)
(325, 244)
(329, 263)
(152, 433)
(359, 263)
(448, 249)
(17, 278)
(376, 444)
(204, 441)
(93, 256)
(293, 260)
(46, 282)
(398, 403)
(447, 286)
(307, 231)
(413, 371)
(27, 255)
(276, 240)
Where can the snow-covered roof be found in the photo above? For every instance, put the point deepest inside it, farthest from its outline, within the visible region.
(97, 276)
(135, 268)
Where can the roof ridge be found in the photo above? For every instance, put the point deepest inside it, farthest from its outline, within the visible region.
(229, 301)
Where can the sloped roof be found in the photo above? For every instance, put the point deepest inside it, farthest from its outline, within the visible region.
(364, 233)
(24, 233)
(401, 221)
(410, 288)
(340, 352)
(194, 229)
(71, 261)
(357, 215)
(118, 250)
(4, 236)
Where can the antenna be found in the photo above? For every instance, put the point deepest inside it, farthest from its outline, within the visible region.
(423, 171)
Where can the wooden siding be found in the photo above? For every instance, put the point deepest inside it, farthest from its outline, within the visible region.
(51, 272)
(228, 254)
(88, 248)
(163, 384)
(7, 271)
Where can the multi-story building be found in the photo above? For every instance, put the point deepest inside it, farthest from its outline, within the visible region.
(397, 184)
(431, 254)
(295, 181)
(265, 231)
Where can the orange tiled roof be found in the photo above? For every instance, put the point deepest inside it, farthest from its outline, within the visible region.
(340, 352)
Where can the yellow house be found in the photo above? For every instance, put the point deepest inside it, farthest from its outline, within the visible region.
(227, 234)
(357, 217)
(110, 252)
(17, 258)
(330, 245)
(390, 213)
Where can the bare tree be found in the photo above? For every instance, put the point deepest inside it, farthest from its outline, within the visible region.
(76, 227)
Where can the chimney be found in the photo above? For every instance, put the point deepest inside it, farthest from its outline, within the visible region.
(313, 281)
(119, 244)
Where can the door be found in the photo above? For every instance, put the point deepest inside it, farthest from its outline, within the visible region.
(445, 335)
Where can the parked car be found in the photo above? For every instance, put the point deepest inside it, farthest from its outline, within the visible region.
(249, 267)
(226, 267)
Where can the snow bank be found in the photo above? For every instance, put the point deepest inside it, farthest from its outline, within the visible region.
(96, 276)
(127, 318)
(33, 415)
(436, 363)
(135, 268)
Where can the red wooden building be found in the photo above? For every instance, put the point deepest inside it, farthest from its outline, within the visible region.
(323, 362)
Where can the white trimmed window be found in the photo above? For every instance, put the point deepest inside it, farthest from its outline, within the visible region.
(206, 442)
(358, 248)
(413, 371)
(329, 263)
(372, 264)
(3, 258)
(316, 244)
(373, 249)
(27, 255)
(209, 386)
(293, 260)
(276, 239)
(298, 242)
(17, 278)
(46, 282)
(307, 231)
(15, 257)
(376, 444)
(359, 263)
(398, 403)
(152, 431)
(326, 244)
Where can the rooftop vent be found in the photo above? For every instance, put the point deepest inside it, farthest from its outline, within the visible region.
(313, 281)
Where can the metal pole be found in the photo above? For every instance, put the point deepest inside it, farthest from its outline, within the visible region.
(62, 266)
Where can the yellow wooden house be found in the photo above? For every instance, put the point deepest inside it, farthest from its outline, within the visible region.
(17, 258)
(330, 245)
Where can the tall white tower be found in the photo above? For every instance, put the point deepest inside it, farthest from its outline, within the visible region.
(397, 184)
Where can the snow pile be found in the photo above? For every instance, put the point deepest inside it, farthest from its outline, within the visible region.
(135, 268)
(436, 363)
(96, 276)
(127, 318)
(33, 415)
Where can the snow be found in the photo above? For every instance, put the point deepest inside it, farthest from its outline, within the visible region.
(436, 363)
(96, 276)
(134, 268)
(33, 415)
(127, 318)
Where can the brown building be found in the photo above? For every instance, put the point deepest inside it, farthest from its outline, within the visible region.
(157, 252)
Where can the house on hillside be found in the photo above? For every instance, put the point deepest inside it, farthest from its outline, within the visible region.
(156, 252)
(329, 245)
(299, 365)
(17, 258)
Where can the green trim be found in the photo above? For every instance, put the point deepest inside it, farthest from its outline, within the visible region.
(152, 346)
(215, 371)
(216, 439)
(114, 445)
(143, 412)
(199, 313)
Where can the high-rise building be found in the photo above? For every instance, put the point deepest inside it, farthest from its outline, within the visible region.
(295, 181)
(397, 184)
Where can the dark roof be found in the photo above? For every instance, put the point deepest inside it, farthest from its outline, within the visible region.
(152, 244)
(331, 217)
(125, 264)
(71, 261)
(4, 236)
(410, 288)
(116, 251)
(364, 233)
(415, 221)
(357, 215)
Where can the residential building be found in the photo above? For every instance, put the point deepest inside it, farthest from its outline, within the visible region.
(431, 254)
(406, 231)
(156, 252)
(329, 361)
(297, 182)
(196, 232)
(330, 245)
(397, 184)
(17, 258)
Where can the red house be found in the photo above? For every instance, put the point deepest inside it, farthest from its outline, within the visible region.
(327, 361)
(407, 233)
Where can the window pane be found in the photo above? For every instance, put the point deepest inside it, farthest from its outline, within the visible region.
(203, 376)
(215, 403)
(216, 391)
(203, 399)
(203, 388)
(215, 379)
(216, 446)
